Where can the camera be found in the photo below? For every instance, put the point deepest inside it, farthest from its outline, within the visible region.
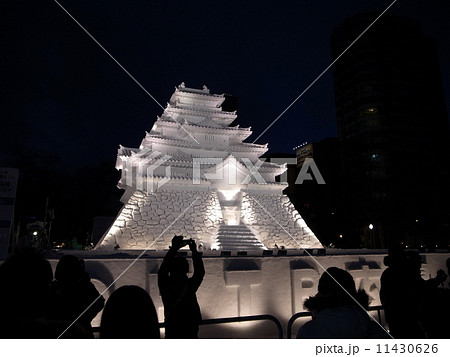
(186, 242)
(179, 242)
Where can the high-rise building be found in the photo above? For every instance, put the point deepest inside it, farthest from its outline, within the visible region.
(314, 189)
(392, 131)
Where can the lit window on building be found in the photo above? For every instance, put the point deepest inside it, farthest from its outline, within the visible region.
(368, 111)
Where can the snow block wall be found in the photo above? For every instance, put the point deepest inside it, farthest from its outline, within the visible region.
(149, 221)
(275, 221)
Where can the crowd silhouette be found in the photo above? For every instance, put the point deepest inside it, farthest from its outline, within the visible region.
(26, 281)
(414, 307)
(36, 305)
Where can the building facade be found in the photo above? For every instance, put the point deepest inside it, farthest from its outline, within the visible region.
(393, 133)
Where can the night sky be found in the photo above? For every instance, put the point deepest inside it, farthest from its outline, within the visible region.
(68, 105)
(68, 97)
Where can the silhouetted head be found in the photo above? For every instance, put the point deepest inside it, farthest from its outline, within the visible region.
(69, 269)
(179, 267)
(24, 282)
(336, 281)
(413, 261)
(129, 313)
(336, 288)
(396, 257)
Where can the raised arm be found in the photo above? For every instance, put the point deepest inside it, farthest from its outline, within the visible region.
(199, 268)
(163, 272)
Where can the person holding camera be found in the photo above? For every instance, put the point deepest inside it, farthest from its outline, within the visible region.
(182, 314)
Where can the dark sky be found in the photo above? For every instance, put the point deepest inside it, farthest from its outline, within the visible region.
(64, 96)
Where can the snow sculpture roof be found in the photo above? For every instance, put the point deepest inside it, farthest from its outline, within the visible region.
(194, 125)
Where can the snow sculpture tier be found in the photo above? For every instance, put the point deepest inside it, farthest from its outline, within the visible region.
(194, 176)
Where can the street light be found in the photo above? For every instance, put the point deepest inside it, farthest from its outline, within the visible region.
(371, 237)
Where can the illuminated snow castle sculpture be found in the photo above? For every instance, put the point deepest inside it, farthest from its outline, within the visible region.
(194, 176)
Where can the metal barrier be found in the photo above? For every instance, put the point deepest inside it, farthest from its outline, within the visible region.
(292, 319)
(246, 318)
(272, 318)
(378, 308)
(225, 320)
(307, 313)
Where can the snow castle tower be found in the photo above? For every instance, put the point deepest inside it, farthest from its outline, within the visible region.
(194, 176)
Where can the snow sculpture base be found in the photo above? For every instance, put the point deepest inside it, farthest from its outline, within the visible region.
(149, 221)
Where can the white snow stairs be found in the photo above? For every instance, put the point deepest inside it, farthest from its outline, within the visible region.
(237, 237)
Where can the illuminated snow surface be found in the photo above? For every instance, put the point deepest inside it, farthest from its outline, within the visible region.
(194, 176)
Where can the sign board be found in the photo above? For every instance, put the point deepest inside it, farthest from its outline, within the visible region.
(8, 186)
